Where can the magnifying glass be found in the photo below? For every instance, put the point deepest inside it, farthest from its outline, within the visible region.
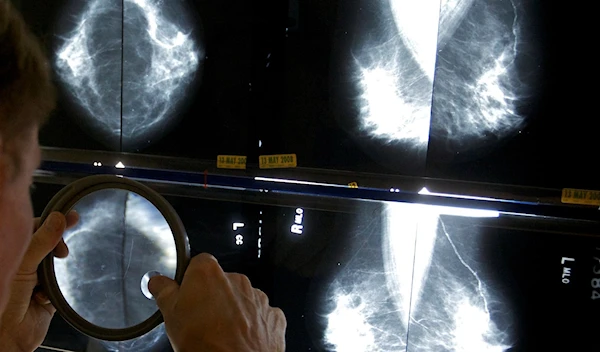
(127, 233)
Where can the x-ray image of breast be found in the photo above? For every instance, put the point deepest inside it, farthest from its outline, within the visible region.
(120, 237)
(441, 69)
(394, 71)
(479, 87)
(417, 287)
(128, 67)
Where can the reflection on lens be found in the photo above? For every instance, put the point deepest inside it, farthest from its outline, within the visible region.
(144, 284)
(119, 239)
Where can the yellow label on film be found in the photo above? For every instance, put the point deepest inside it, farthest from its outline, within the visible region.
(277, 161)
(353, 185)
(580, 196)
(231, 162)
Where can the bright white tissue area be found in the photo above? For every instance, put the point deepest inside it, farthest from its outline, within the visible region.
(149, 47)
(394, 73)
(427, 282)
(452, 58)
(120, 236)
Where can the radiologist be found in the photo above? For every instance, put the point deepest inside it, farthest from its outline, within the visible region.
(210, 311)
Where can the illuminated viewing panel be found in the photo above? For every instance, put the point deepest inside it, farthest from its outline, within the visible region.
(392, 276)
(449, 279)
(483, 91)
(493, 92)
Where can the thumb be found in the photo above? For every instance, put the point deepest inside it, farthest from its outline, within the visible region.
(164, 290)
(43, 242)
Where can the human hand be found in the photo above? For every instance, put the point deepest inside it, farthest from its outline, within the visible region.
(25, 322)
(218, 312)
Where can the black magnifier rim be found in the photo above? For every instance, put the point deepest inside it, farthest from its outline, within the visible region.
(63, 202)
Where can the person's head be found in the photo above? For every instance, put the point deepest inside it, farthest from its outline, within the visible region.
(26, 98)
